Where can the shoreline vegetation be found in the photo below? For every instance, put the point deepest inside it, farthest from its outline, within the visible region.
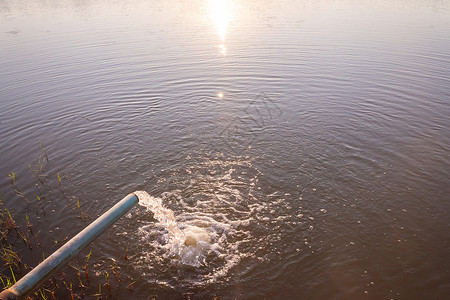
(21, 232)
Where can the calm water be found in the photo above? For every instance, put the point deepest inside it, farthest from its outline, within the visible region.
(304, 144)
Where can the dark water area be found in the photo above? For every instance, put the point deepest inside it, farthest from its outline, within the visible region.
(309, 140)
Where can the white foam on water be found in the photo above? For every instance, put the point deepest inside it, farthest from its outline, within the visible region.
(191, 239)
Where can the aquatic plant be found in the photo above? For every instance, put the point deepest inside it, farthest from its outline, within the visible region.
(45, 153)
(12, 178)
(116, 272)
(86, 266)
(10, 257)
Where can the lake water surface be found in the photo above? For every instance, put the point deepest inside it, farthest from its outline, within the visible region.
(305, 145)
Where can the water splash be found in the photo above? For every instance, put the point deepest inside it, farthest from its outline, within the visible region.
(216, 209)
(164, 215)
(190, 245)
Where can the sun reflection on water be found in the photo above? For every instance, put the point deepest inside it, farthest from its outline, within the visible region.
(221, 13)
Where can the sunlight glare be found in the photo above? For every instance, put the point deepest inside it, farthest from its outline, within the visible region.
(220, 12)
(223, 49)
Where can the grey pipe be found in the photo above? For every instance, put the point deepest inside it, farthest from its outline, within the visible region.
(38, 275)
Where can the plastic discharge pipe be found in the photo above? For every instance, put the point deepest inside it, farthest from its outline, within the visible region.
(38, 275)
